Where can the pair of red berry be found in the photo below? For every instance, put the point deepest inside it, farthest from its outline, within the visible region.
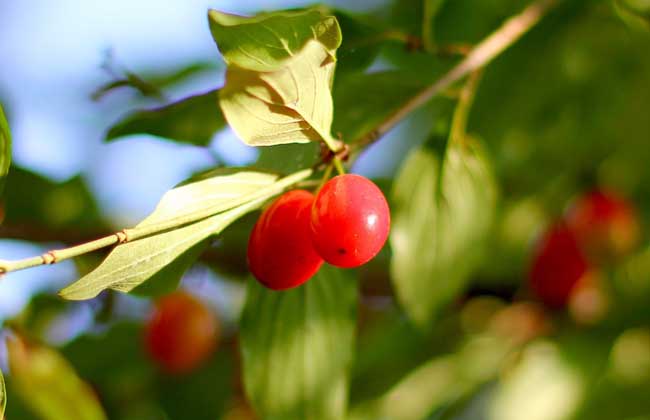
(346, 224)
(599, 228)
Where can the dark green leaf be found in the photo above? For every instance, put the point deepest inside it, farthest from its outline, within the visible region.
(441, 218)
(193, 120)
(297, 347)
(361, 43)
(361, 101)
(42, 210)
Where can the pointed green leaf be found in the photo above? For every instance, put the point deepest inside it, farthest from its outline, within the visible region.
(297, 347)
(440, 223)
(223, 199)
(3, 396)
(217, 193)
(263, 43)
(192, 120)
(48, 385)
(279, 77)
(5, 148)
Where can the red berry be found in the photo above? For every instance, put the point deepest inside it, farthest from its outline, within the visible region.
(280, 252)
(605, 224)
(181, 334)
(558, 265)
(350, 221)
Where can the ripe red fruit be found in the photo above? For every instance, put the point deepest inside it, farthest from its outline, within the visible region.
(558, 264)
(350, 221)
(181, 334)
(280, 252)
(605, 224)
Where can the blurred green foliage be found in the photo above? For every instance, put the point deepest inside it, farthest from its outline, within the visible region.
(565, 109)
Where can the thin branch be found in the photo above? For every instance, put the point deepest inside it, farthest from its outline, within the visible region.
(481, 55)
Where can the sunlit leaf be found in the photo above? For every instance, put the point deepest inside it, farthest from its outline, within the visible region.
(48, 385)
(541, 384)
(5, 148)
(192, 120)
(279, 77)
(3, 396)
(440, 381)
(219, 192)
(290, 105)
(297, 347)
(227, 198)
(441, 217)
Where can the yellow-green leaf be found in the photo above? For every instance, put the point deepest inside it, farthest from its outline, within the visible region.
(290, 105)
(217, 193)
(440, 223)
(48, 384)
(279, 77)
(5, 148)
(225, 198)
(3, 396)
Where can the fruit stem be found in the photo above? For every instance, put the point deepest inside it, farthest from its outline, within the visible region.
(465, 100)
(338, 165)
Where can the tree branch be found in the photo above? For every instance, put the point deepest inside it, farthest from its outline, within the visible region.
(478, 57)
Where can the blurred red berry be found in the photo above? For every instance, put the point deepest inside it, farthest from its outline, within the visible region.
(280, 251)
(182, 333)
(605, 225)
(350, 221)
(557, 266)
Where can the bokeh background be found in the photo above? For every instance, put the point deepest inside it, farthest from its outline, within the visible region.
(566, 109)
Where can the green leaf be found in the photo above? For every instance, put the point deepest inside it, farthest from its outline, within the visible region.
(5, 148)
(48, 385)
(440, 224)
(167, 279)
(37, 207)
(218, 192)
(3, 396)
(193, 120)
(361, 43)
(263, 43)
(297, 347)
(279, 77)
(290, 105)
(150, 83)
(362, 101)
(224, 198)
